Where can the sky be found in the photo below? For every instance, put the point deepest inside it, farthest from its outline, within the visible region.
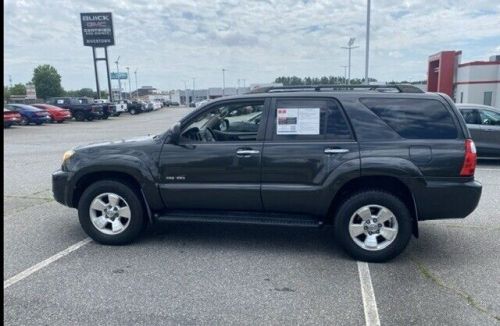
(172, 42)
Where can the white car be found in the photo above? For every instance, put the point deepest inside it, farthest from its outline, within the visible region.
(157, 105)
(121, 106)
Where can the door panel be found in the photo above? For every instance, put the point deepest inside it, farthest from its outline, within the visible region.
(211, 176)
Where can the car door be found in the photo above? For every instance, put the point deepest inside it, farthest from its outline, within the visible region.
(307, 140)
(490, 132)
(213, 166)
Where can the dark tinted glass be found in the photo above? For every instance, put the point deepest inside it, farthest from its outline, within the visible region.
(332, 123)
(414, 118)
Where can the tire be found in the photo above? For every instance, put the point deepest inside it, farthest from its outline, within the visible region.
(132, 111)
(91, 219)
(60, 121)
(105, 117)
(39, 123)
(79, 116)
(90, 118)
(373, 242)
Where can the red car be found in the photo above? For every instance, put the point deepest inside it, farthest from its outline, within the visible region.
(10, 118)
(56, 113)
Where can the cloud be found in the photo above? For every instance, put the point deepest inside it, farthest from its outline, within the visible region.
(171, 41)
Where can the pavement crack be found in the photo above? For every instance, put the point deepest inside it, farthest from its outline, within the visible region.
(427, 273)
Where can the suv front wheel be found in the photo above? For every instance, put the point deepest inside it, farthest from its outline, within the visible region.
(110, 212)
(373, 226)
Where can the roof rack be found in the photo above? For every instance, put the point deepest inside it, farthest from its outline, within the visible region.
(395, 88)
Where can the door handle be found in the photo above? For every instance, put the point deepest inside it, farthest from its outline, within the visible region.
(246, 152)
(336, 150)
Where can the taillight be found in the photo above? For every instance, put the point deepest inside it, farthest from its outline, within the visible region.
(470, 159)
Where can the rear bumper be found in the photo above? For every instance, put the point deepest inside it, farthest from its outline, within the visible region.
(61, 187)
(447, 199)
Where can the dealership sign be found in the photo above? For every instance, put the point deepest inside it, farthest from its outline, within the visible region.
(119, 75)
(97, 29)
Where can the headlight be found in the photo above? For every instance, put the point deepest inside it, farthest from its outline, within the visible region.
(67, 155)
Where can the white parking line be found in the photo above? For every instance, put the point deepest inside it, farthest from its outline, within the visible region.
(486, 169)
(18, 277)
(369, 302)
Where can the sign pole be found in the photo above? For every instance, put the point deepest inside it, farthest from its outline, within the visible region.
(107, 74)
(96, 76)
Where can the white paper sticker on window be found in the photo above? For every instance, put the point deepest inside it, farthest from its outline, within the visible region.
(297, 121)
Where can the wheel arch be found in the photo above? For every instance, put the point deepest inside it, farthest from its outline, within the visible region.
(390, 184)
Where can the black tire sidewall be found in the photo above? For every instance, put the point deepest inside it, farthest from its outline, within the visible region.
(137, 220)
(348, 207)
(79, 116)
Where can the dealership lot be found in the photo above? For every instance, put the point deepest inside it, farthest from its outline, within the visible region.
(227, 274)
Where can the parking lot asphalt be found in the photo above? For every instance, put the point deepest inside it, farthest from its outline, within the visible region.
(227, 274)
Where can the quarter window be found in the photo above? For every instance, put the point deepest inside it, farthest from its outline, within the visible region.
(414, 118)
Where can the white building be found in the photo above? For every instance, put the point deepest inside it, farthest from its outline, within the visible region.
(479, 82)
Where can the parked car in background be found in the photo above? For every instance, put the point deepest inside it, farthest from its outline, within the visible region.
(157, 105)
(80, 110)
(121, 106)
(108, 108)
(200, 103)
(192, 105)
(30, 114)
(56, 113)
(10, 118)
(174, 103)
(135, 107)
(484, 125)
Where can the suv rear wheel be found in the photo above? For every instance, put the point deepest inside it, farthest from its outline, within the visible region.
(373, 226)
(110, 212)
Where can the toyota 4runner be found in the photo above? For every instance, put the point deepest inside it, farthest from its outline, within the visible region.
(370, 161)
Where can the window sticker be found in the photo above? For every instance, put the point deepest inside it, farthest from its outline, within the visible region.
(298, 121)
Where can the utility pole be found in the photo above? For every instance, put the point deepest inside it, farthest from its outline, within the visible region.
(129, 89)
(119, 80)
(243, 83)
(10, 81)
(238, 89)
(349, 47)
(136, 88)
(223, 81)
(193, 91)
(367, 54)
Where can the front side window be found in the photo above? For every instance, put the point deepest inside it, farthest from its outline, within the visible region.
(471, 116)
(226, 122)
(489, 117)
(414, 118)
(309, 119)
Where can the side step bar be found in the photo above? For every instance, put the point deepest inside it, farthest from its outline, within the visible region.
(240, 218)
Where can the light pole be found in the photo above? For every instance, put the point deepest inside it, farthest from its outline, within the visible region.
(244, 83)
(136, 88)
(345, 73)
(119, 80)
(367, 54)
(349, 47)
(238, 89)
(185, 93)
(193, 89)
(223, 81)
(128, 76)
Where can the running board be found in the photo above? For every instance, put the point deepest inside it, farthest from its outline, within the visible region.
(240, 218)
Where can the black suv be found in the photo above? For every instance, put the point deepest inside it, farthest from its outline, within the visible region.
(80, 109)
(371, 162)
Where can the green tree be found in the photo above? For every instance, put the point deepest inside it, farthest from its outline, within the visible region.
(6, 93)
(47, 81)
(86, 92)
(18, 89)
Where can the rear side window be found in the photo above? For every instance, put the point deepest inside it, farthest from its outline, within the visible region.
(309, 119)
(414, 118)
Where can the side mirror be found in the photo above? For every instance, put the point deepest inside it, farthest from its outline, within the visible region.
(175, 134)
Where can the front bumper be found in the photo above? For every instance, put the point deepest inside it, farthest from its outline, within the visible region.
(61, 188)
(447, 199)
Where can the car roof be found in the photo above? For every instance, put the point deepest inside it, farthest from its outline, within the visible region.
(478, 106)
(24, 106)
